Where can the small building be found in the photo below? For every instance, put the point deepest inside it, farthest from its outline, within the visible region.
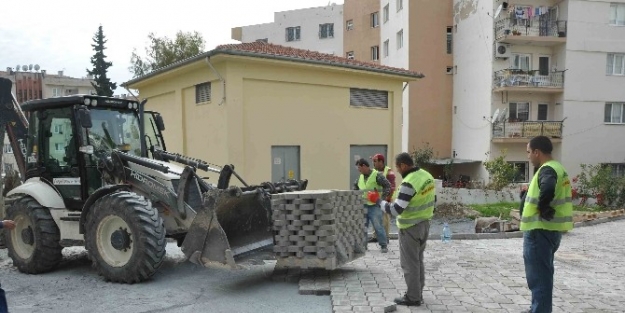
(278, 112)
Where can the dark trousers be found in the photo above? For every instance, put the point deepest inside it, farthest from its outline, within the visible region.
(412, 243)
(539, 247)
(3, 301)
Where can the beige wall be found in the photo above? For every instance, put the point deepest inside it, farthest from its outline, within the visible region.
(430, 98)
(363, 36)
(274, 103)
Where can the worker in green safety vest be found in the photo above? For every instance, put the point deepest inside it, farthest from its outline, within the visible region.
(547, 212)
(372, 180)
(413, 208)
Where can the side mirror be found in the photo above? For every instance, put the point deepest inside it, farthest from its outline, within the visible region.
(160, 123)
(84, 116)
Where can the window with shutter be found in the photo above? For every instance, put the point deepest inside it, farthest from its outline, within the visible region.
(202, 93)
(368, 98)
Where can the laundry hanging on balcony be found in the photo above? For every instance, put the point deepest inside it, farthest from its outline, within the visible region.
(528, 11)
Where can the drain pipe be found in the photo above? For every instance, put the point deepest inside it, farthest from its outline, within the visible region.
(223, 82)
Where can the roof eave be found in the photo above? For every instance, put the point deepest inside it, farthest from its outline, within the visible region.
(318, 62)
(406, 76)
(168, 68)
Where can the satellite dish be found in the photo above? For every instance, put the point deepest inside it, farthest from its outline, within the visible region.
(37, 67)
(24, 67)
(17, 68)
(498, 10)
(30, 67)
(502, 116)
(495, 116)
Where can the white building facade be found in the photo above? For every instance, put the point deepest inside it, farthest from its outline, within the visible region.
(394, 48)
(317, 29)
(539, 67)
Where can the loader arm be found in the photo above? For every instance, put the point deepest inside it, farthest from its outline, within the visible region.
(15, 122)
(233, 221)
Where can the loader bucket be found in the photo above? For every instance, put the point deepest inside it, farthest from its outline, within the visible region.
(229, 224)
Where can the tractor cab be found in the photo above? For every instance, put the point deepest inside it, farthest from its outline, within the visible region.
(66, 135)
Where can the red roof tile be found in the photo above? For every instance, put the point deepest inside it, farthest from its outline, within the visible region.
(262, 48)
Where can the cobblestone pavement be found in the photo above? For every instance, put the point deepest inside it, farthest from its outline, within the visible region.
(485, 276)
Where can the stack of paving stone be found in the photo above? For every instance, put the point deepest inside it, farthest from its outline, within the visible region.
(318, 228)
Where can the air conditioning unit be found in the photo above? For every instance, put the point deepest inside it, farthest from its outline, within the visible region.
(502, 50)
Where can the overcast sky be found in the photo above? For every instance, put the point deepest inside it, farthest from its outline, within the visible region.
(57, 35)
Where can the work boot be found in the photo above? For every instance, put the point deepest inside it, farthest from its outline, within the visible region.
(384, 249)
(404, 301)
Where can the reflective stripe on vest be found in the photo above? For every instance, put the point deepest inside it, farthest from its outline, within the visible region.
(563, 217)
(369, 185)
(421, 206)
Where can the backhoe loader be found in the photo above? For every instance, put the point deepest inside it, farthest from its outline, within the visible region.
(96, 174)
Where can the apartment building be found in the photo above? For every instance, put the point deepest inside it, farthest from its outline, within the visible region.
(539, 67)
(416, 35)
(316, 29)
(361, 40)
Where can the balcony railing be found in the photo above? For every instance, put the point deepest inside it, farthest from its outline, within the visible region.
(538, 26)
(523, 130)
(533, 78)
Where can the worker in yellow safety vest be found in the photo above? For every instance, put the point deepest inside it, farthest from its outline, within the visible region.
(413, 208)
(372, 180)
(547, 212)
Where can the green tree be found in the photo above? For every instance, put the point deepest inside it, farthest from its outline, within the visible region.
(102, 85)
(501, 172)
(163, 51)
(423, 156)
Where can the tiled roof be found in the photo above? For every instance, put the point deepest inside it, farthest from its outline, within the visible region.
(269, 49)
(278, 52)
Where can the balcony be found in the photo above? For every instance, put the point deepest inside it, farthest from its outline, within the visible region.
(534, 31)
(531, 81)
(515, 132)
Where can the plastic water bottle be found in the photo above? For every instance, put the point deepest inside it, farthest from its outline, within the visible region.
(446, 235)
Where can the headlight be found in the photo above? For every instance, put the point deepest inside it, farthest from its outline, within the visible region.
(87, 101)
(135, 105)
(130, 105)
(94, 102)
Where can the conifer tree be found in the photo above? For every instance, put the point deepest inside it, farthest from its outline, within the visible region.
(102, 85)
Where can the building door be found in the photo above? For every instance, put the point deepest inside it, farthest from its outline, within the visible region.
(284, 163)
(366, 152)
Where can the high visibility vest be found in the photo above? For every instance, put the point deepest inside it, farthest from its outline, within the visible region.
(563, 218)
(369, 185)
(386, 169)
(421, 206)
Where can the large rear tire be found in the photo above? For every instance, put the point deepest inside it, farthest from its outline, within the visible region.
(34, 243)
(125, 237)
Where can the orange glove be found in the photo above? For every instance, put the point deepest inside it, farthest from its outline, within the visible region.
(373, 196)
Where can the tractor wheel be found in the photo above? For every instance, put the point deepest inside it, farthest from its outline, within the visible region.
(125, 237)
(34, 243)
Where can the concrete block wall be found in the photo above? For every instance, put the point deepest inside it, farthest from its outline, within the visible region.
(450, 195)
(318, 228)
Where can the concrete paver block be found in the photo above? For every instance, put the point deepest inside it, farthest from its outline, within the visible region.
(330, 220)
